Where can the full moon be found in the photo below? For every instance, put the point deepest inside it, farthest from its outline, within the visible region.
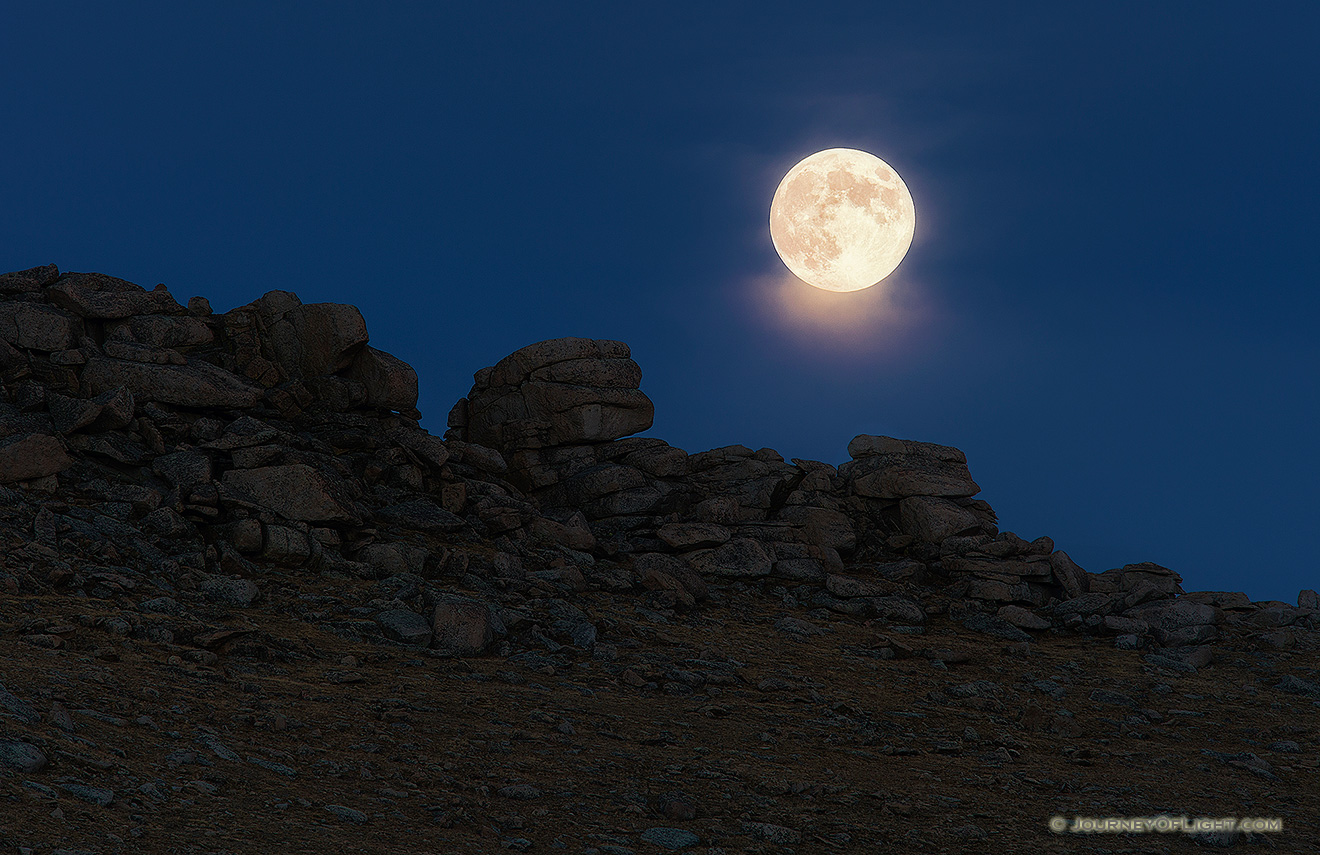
(842, 219)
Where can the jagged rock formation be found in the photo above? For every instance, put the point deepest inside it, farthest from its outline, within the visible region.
(275, 432)
(179, 463)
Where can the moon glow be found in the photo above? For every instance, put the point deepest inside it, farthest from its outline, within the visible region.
(842, 219)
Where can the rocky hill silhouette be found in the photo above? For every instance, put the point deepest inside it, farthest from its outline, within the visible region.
(247, 602)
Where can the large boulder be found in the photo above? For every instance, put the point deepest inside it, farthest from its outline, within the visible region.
(278, 337)
(821, 526)
(295, 492)
(1130, 577)
(564, 391)
(101, 297)
(932, 519)
(462, 626)
(1069, 574)
(390, 382)
(888, 468)
(36, 326)
(683, 537)
(32, 456)
(196, 384)
(313, 339)
(32, 279)
(852, 586)
(166, 330)
(1180, 622)
(740, 558)
(421, 515)
(651, 565)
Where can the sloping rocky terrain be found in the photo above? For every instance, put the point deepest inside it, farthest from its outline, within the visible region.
(248, 604)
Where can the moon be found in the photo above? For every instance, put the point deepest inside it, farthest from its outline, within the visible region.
(842, 219)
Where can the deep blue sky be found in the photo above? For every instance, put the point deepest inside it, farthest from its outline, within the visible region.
(1110, 304)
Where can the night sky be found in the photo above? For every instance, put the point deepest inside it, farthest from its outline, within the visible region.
(1110, 303)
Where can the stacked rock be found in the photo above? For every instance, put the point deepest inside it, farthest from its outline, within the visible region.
(175, 420)
(156, 445)
(557, 412)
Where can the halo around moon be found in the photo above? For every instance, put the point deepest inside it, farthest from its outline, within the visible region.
(842, 219)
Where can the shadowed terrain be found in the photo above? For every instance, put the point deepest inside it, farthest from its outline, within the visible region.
(247, 602)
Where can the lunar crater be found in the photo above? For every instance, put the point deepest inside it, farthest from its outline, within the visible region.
(842, 219)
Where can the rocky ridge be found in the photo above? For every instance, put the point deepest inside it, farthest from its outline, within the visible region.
(191, 475)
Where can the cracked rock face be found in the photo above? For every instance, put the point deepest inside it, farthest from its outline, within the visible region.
(207, 493)
(211, 415)
(567, 391)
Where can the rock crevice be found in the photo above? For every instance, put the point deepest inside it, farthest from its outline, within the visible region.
(199, 447)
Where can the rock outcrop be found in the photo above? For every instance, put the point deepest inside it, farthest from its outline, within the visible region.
(175, 464)
(275, 431)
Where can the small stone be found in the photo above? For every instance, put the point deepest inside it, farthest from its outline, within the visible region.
(968, 832)
(1297, 686)
(227, 590)
(183, 469)
(277, 768)
(221, 750)
(405, 626)
(670, 838)
(95, 795)
(676, 806)
(947, 656)
(1168, 663)
(117, 408)
(770, 833)
(18, 707)
(59, 716)
(796, 626)
(21, 756)
(1023, 618)
(347, 813)
(996, 626)
(71, 414)
(1108, 696)
(1051, 688)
